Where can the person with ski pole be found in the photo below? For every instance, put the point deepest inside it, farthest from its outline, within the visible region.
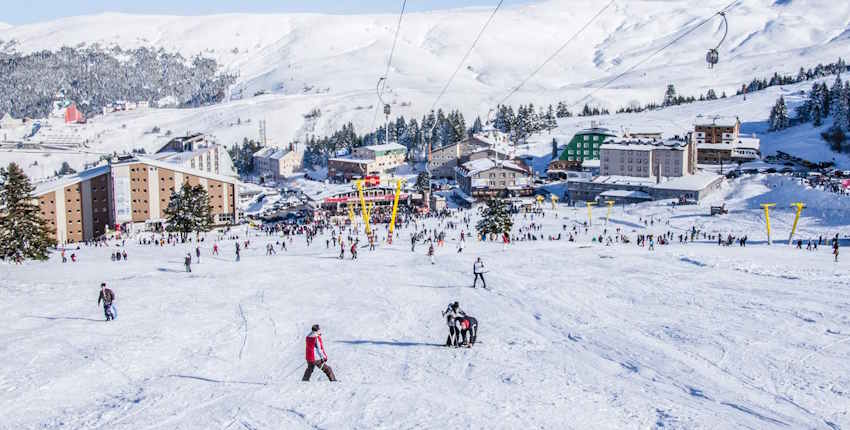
(316, 356)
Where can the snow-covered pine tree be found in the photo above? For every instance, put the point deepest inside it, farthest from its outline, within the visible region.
(554, 148)
(24, 234)
(835, 95)
(496, 219)
(551, 122)
(842, 109)
(670, 95)
(477, 126)
(779, 115)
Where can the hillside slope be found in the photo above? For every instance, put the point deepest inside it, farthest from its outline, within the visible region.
(317, 57)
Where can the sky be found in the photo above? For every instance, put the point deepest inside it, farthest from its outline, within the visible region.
(22, 12)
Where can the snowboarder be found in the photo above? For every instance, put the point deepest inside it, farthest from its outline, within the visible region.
(478, 271)
(468, 330)
(237, 251)
(187, 261)
(452, 313)
(431, 253)
(354, 251)
(107, 296)
(316, 356)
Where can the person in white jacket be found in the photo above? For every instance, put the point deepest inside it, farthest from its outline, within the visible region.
(478, 270)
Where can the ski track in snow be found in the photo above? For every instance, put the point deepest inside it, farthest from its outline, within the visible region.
(573, 335)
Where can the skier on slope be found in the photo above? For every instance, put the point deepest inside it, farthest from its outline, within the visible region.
(316, 356)
(187, 261)
(431, 253)
(107, 296)
(452, 313)
(478, 271)
(468, 330)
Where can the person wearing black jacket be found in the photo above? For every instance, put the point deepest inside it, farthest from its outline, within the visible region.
(468, 330)
(453, 313)
(107, 296)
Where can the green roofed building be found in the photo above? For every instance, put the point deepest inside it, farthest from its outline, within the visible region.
(585, 145)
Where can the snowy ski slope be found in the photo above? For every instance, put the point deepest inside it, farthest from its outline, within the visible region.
(573, 335)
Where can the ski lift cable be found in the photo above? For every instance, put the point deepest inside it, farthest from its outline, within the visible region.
(466, 56)
(653, 54)
(555, 54)
(390, 59)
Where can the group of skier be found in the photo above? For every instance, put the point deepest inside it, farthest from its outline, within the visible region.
(463, 328)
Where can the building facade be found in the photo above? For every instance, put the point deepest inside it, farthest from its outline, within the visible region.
(385, 157)
(198, 152)
(278, 163)
(486, 177)
(443, 161)
(647, 158)
(716, 129)
(584, 146)
(129, 191)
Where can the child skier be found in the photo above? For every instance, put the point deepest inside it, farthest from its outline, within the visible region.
(316, 356)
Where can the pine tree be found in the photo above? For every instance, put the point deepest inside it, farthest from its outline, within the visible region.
(496, 219)
(423, 182)
(189, 211)
(835, 96)
(550, 121)
(842, 109)
(779, 115)
(477, 126)
(554, 148)
(24, 234)
(670, 95)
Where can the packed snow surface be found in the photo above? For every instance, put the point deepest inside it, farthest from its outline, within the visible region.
(572, 334)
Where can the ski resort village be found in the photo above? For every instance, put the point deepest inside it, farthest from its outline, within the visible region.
(547, 214)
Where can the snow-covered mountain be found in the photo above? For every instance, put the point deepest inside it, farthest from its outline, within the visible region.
(332, 62)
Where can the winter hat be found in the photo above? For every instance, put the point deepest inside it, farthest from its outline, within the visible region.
(103, 284)
(315, 327)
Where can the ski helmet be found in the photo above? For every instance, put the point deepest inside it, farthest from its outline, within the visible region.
(315, 327)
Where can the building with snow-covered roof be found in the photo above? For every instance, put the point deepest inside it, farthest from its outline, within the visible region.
(367, 160)
(583, 146)
(443, 160)
(743, 149)
(690, 187)
(125, 192)
(716, 129)
(278, 163)
(647, 158)
(487, 177)
(196, 151)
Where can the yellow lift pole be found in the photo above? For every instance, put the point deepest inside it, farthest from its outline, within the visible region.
(590, 206)
(767, 207)
(554, 200)
(610, 204)
(799, 207)
(364, 210)
(395, 210)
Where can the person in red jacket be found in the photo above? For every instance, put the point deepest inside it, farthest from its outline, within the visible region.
(316, 356)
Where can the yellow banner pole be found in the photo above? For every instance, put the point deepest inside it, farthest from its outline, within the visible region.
(351, 213)
(363, 209)
(395, 211)
(590, 213)
(610, 205)
(799, 207)
(554, 200)
(767, 207)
